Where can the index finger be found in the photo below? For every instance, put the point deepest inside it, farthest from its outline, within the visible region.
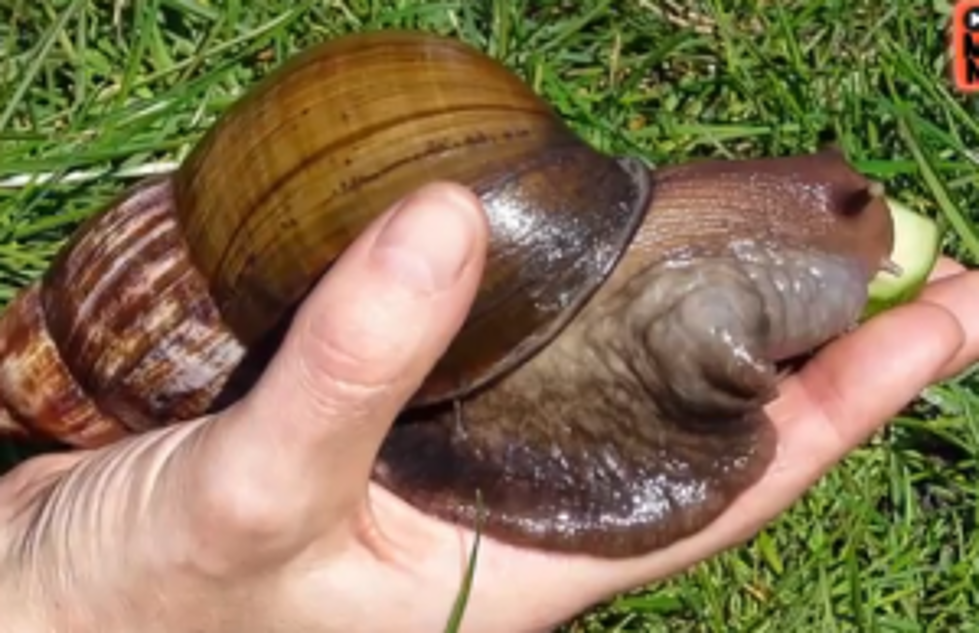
(956, 289)
(945, 267)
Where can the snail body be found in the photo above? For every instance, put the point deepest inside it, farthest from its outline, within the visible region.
(604, 396)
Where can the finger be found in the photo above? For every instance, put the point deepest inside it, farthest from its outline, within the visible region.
(358, 348)
(959, 294)
(842, 396)
(837, 401)
(861, 381)
(945, 267)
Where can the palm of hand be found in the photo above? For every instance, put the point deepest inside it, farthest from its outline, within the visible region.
(258, 519)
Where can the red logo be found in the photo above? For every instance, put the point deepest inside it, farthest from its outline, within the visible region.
(965, 45)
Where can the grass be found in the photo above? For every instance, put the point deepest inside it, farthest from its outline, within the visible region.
(94, 93)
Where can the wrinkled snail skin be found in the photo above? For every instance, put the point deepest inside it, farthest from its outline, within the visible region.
(644, 419)
(604, 396)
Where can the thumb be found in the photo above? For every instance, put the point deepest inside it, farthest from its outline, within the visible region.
(358, 348)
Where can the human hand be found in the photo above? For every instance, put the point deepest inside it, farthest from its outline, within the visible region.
(261, 518)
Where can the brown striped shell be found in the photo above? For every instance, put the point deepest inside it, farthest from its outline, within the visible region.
(347, 129)
(155, 301)
(606, 393)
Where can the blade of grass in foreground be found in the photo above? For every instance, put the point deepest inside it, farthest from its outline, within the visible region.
(462, 600)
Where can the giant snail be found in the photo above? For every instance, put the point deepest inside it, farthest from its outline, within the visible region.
(605, 395)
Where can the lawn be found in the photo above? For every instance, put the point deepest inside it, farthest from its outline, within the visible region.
(97, 94)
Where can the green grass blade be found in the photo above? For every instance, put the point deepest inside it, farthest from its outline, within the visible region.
(462, 599)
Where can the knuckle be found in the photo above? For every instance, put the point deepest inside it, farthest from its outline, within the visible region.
(234, 527)
(244, 510)
(234, 497)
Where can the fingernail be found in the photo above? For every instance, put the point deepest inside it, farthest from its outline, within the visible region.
(428, 241)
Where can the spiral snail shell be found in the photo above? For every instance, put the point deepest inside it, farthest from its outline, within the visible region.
(605, 395)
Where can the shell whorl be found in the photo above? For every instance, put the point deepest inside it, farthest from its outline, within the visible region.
(120, 335)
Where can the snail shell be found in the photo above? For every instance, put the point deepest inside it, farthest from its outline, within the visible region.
(605, 394)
